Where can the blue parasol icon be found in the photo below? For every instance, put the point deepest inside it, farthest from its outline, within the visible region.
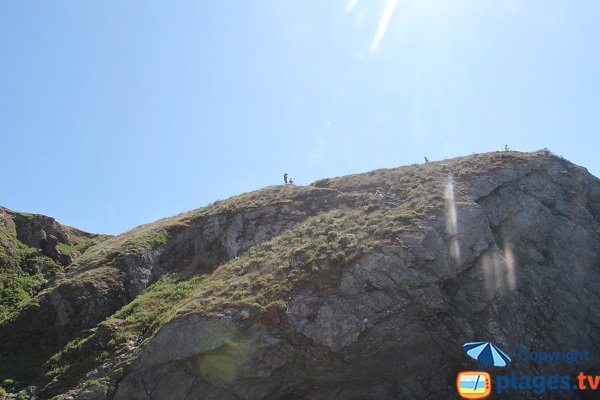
(487, 353)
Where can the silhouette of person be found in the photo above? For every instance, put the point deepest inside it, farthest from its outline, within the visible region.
(285, 178)
(380, 198)
(426, 160)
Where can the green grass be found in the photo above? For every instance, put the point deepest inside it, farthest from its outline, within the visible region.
(114, 250)
(143, 316)
(22, 395)
(66, 249)
(8, 242)
(20, 265)
(21, 283)
(71, 363)
(315, 253)
(18, 278)
(136, 322)
(91, 382)
(16, 290)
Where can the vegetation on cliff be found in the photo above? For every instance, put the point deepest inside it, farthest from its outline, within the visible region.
(338, 221)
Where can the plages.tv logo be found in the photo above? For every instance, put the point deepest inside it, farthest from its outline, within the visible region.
(478, 384)
(473, 385)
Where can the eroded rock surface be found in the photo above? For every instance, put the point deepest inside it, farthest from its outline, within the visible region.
(97, 287)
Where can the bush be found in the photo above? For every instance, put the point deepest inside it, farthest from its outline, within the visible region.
(66, 249)
(299, 257)
(339, 256)
(323, 249)
(348, 240)
(323, 183)
(142, 315)
(22, 395)
(9, 385)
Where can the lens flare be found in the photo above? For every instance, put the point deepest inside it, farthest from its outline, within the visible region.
(222, 366)
(511, 278)
(451, 218)
(383, 24)
(351, 4)
(218, 369)
(489, 279)
(231, 344)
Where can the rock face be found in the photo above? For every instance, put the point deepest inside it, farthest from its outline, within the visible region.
(95, 288)
(510, 253)
(39, 233)
(204, 354)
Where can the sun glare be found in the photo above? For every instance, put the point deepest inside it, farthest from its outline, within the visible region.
(383, 24)
(351, 4)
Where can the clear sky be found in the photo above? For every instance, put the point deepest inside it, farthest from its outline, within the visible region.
(117, 113)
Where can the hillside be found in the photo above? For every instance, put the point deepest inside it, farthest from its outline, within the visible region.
(323, 291)
(34, 249)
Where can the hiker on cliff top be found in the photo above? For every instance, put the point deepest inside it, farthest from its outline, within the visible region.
(426, 160)
(380, 198)
(285, 178)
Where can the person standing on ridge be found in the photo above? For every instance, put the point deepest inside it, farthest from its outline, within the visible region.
(426, 160)
(285, 178)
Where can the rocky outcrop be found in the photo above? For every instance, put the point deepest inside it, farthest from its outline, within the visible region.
(55, 317)
(45, 233)
(205, 354)
(212, 241)
(40, 232)
(113, 280)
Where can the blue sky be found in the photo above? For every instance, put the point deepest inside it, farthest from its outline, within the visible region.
(117, 113)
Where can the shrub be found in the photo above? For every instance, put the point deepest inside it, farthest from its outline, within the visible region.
(323, 249)
(339, 256)
(348, 240)
(299, 257)
(332, 235)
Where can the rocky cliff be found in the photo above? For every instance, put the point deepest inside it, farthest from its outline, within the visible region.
(33, 250)
(359, 287)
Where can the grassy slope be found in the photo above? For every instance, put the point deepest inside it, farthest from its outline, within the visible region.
(265, 274)
(144, 237)
(19, 263)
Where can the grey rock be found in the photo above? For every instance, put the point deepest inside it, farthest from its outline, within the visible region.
(207, 356)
